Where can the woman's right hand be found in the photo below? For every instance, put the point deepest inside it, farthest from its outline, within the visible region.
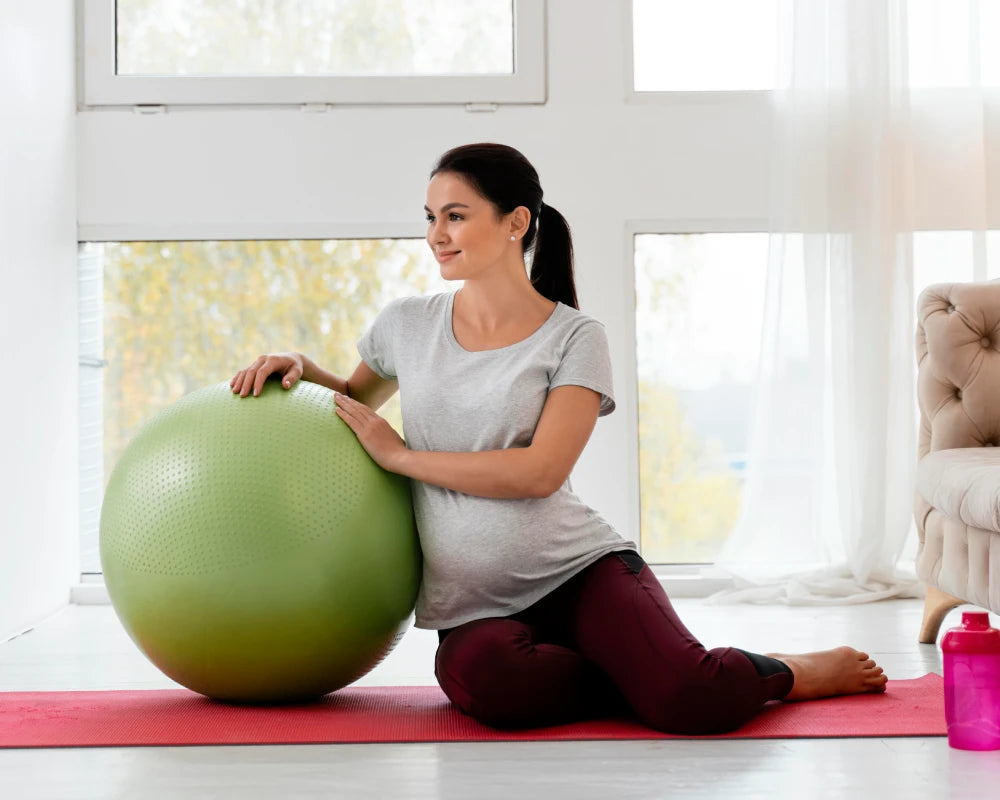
(288, 365)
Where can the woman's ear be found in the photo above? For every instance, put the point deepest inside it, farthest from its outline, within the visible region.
(519, 220)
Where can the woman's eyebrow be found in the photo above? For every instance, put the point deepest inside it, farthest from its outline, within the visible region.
(448, 206)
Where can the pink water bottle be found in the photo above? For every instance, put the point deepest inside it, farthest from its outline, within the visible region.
(972, 683)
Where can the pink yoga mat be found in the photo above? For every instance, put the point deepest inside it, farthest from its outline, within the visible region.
(410, 714)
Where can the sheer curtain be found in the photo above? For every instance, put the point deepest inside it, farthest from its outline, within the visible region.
(829, 493)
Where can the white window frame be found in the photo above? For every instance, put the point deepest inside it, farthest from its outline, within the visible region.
(102, 86)
(679, 580)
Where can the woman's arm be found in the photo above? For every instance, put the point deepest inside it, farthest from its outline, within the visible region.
(567, 420)
(365, 385)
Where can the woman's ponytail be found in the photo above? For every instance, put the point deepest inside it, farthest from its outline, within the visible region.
(552, 258)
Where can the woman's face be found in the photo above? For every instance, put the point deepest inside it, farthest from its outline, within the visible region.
(463, 229)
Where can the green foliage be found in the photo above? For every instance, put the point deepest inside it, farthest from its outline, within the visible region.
(314, 37)
(182, 315)
(689, 497)
(689, 502)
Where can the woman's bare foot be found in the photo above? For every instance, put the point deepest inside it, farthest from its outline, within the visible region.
(842, 670)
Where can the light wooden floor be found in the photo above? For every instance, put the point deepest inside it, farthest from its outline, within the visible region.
(84, 648)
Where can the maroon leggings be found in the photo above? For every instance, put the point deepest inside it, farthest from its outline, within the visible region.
(605, 642)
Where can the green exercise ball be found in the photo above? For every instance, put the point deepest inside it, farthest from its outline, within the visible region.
(253, 550)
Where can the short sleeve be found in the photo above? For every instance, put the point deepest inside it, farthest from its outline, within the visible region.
(586, 361)
(376, 346)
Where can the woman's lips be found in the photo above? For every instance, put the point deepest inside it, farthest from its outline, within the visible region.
(445, 255)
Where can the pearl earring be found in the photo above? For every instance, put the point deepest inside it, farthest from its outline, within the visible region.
(512, 238)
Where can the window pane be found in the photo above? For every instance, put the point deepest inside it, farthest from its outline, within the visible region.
(950, 257)
(315, 37)
(707, 45)
(731, 44)
(941, 257)
(699, 313)
(178, 316)
(953, 44)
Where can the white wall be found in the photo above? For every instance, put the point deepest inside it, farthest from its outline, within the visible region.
(39, 550)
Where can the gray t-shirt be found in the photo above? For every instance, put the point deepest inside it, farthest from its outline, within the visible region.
(490, 557)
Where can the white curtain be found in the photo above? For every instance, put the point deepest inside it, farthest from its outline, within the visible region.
(829, 494)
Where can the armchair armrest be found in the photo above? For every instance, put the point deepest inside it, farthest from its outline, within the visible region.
(958, 358)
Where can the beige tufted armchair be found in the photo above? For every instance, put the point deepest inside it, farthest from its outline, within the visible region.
(957, 504)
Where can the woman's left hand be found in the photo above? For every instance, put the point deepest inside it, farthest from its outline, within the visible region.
(376, 436)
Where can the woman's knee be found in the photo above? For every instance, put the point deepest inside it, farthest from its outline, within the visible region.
(476, 666)
(478, 648)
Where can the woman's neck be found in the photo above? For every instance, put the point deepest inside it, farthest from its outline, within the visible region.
(491, 305)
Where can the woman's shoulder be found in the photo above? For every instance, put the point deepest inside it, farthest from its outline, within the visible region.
(417, 306)
(577, 315)
(570, 320)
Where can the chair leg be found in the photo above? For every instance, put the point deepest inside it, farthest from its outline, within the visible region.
(937, 604)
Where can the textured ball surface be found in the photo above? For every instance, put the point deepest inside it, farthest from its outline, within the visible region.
(253, 550)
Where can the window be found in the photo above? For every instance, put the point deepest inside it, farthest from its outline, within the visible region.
(322, 37)
(950, 256)
(697, 348)
(714, 45)
(160, 319)
(710, 45)
(953, 44)
(313, 51)
(699, 319)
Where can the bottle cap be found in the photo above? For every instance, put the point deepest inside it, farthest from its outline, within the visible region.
(974, 635)
(975, 620)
